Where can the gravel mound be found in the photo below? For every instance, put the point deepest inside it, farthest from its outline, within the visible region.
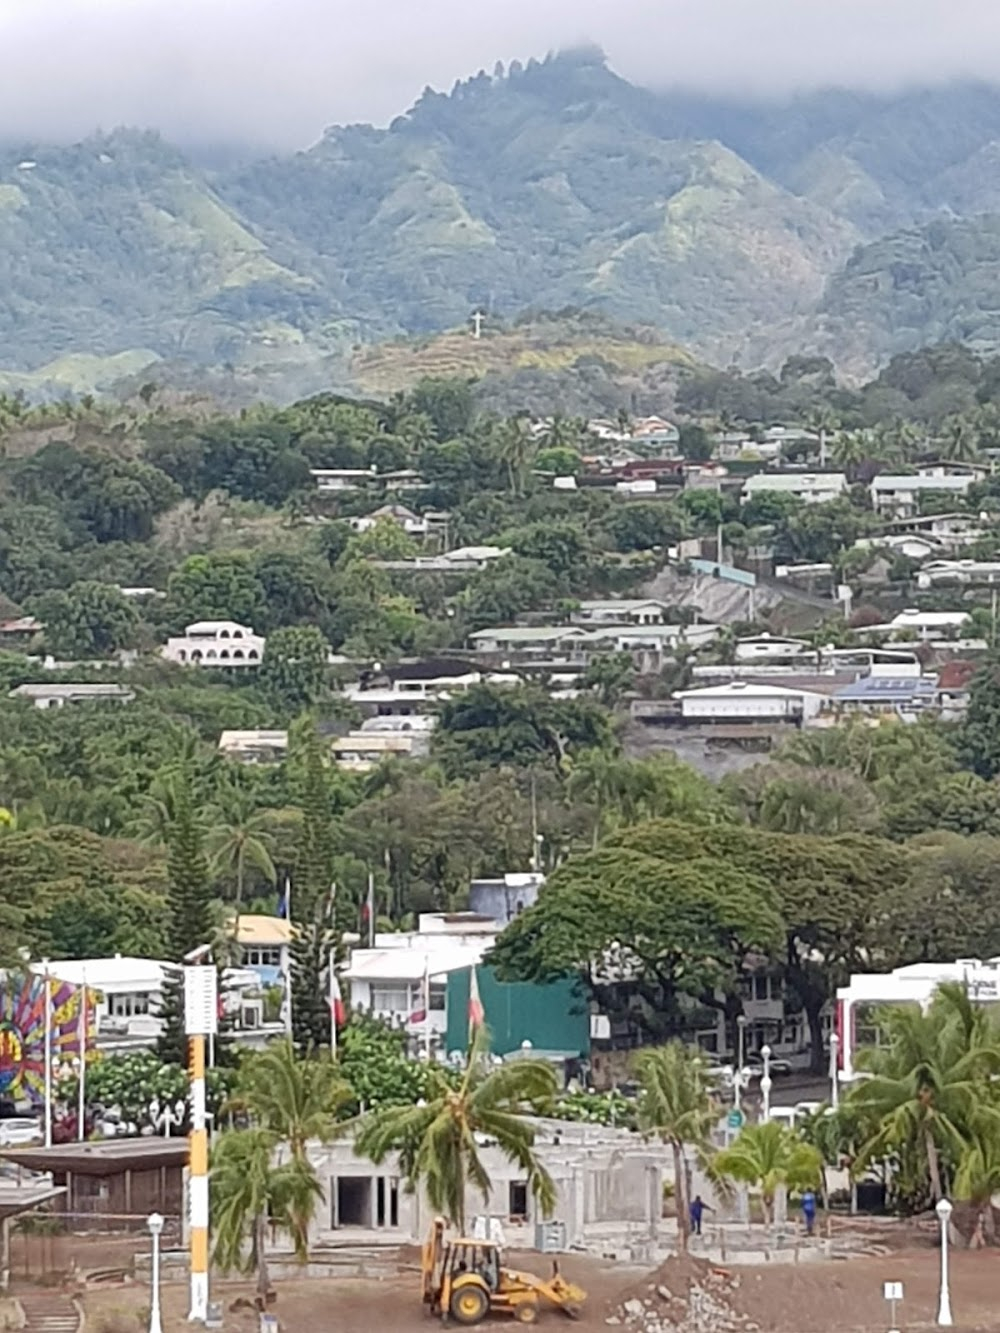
(683, 1295)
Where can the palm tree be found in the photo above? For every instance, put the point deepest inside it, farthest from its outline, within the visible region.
(768, 1156)
(977, 1179)
(675, 1106)
(926, 1090)
(960, 440)
(853, 448)
(517, 447)
(438, 1141)
(251, 1191)
(239, 839)
(598, 776)
(296, 1100)
(822, 421)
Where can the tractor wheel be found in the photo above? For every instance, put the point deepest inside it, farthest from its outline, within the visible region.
(470, 1305)
(526, 1312)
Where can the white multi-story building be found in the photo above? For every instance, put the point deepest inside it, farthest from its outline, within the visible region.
(222, 644)
(403, 978)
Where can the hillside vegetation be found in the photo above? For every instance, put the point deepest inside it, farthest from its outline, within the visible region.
(837, 222)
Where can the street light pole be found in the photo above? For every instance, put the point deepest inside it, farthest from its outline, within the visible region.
(155, 1224)
(944, 1318)
(741, 1023)
(834, 1068)
(765, 1082)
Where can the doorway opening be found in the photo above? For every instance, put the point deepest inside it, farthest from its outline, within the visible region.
(354, 1202)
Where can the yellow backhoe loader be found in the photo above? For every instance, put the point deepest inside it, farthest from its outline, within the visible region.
(463, 1280)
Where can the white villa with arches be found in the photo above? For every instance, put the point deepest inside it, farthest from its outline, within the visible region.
(216, 644)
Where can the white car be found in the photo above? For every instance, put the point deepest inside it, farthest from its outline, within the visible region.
(19, 1131)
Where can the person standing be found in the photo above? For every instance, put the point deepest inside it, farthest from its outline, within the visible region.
(809, 1211)
(696, 1212)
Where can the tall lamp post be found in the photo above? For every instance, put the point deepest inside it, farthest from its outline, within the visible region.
(765, 1082)
(944, 1318)
(155, 1223)
(834, 1068)
(741, 1024)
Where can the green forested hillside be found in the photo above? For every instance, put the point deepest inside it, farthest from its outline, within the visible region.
(848, 223)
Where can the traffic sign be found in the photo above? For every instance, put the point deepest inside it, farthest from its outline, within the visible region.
(734, 1119)
(892, 1291)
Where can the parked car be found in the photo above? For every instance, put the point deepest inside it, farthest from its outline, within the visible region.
(779, 1068)
(18, 1131)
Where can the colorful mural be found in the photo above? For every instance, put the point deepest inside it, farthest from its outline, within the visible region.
(23, 1026)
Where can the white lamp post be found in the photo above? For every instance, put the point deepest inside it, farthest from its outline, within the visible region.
(765, 1082)
(944, 1318)
(155, 1223)
(834, 1064)
(741, 1023)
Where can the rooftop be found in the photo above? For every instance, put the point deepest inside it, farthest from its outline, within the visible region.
(888, 689)
(905, 482)
(264, 930)
(102, 1157)
(81, 691)
(117, 973)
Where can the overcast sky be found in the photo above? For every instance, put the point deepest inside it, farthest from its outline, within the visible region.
(277, 71)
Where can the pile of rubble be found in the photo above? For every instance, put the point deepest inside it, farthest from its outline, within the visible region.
(684, 1295)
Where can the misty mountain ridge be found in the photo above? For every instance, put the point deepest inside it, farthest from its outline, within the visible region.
(846, 223)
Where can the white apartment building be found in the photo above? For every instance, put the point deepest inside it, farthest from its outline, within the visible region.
(810, 487)
(959, 571)
(218, 644)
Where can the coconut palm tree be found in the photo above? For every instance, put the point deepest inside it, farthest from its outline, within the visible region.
(238, 839)
(517, 446)
(767, 1156)
(675, 1106)
(438, 1141)
(960, 440)
(599, 777)
(925, 1093)
(250, 1190)
(296, 1100)
(822, 421)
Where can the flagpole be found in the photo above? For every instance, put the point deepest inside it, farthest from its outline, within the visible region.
(47, 1020)
(427, 1006)
(371, 909)
(81, 1133)
(332, 1001)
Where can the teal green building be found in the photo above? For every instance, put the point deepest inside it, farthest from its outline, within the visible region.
(555, 1018)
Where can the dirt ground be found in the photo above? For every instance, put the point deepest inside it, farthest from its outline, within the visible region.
(827, 1297)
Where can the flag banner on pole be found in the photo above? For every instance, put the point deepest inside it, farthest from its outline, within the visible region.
(285, 901)
(336, 999)
(476, 1012)
(423, 1009)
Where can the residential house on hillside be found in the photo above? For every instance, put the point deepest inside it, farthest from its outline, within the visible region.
(57, 696)
(265, 944)
(338, 480)
(621, 611)
(361, 751)
(916, 624)
(412, 524)
(415, 687)
(876, 694)
(254, 747)
(897, 496)
(749, 701)
(959, 571)
(810, 487)
(460, 560)
(952, 531)
(765, 646)
(219, 644)
(954, 681)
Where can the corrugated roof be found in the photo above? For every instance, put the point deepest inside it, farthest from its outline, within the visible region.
(888, 689)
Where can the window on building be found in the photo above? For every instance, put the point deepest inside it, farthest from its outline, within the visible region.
(390, 999)
(262, 956)
(127, 1006)
(438, 995)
